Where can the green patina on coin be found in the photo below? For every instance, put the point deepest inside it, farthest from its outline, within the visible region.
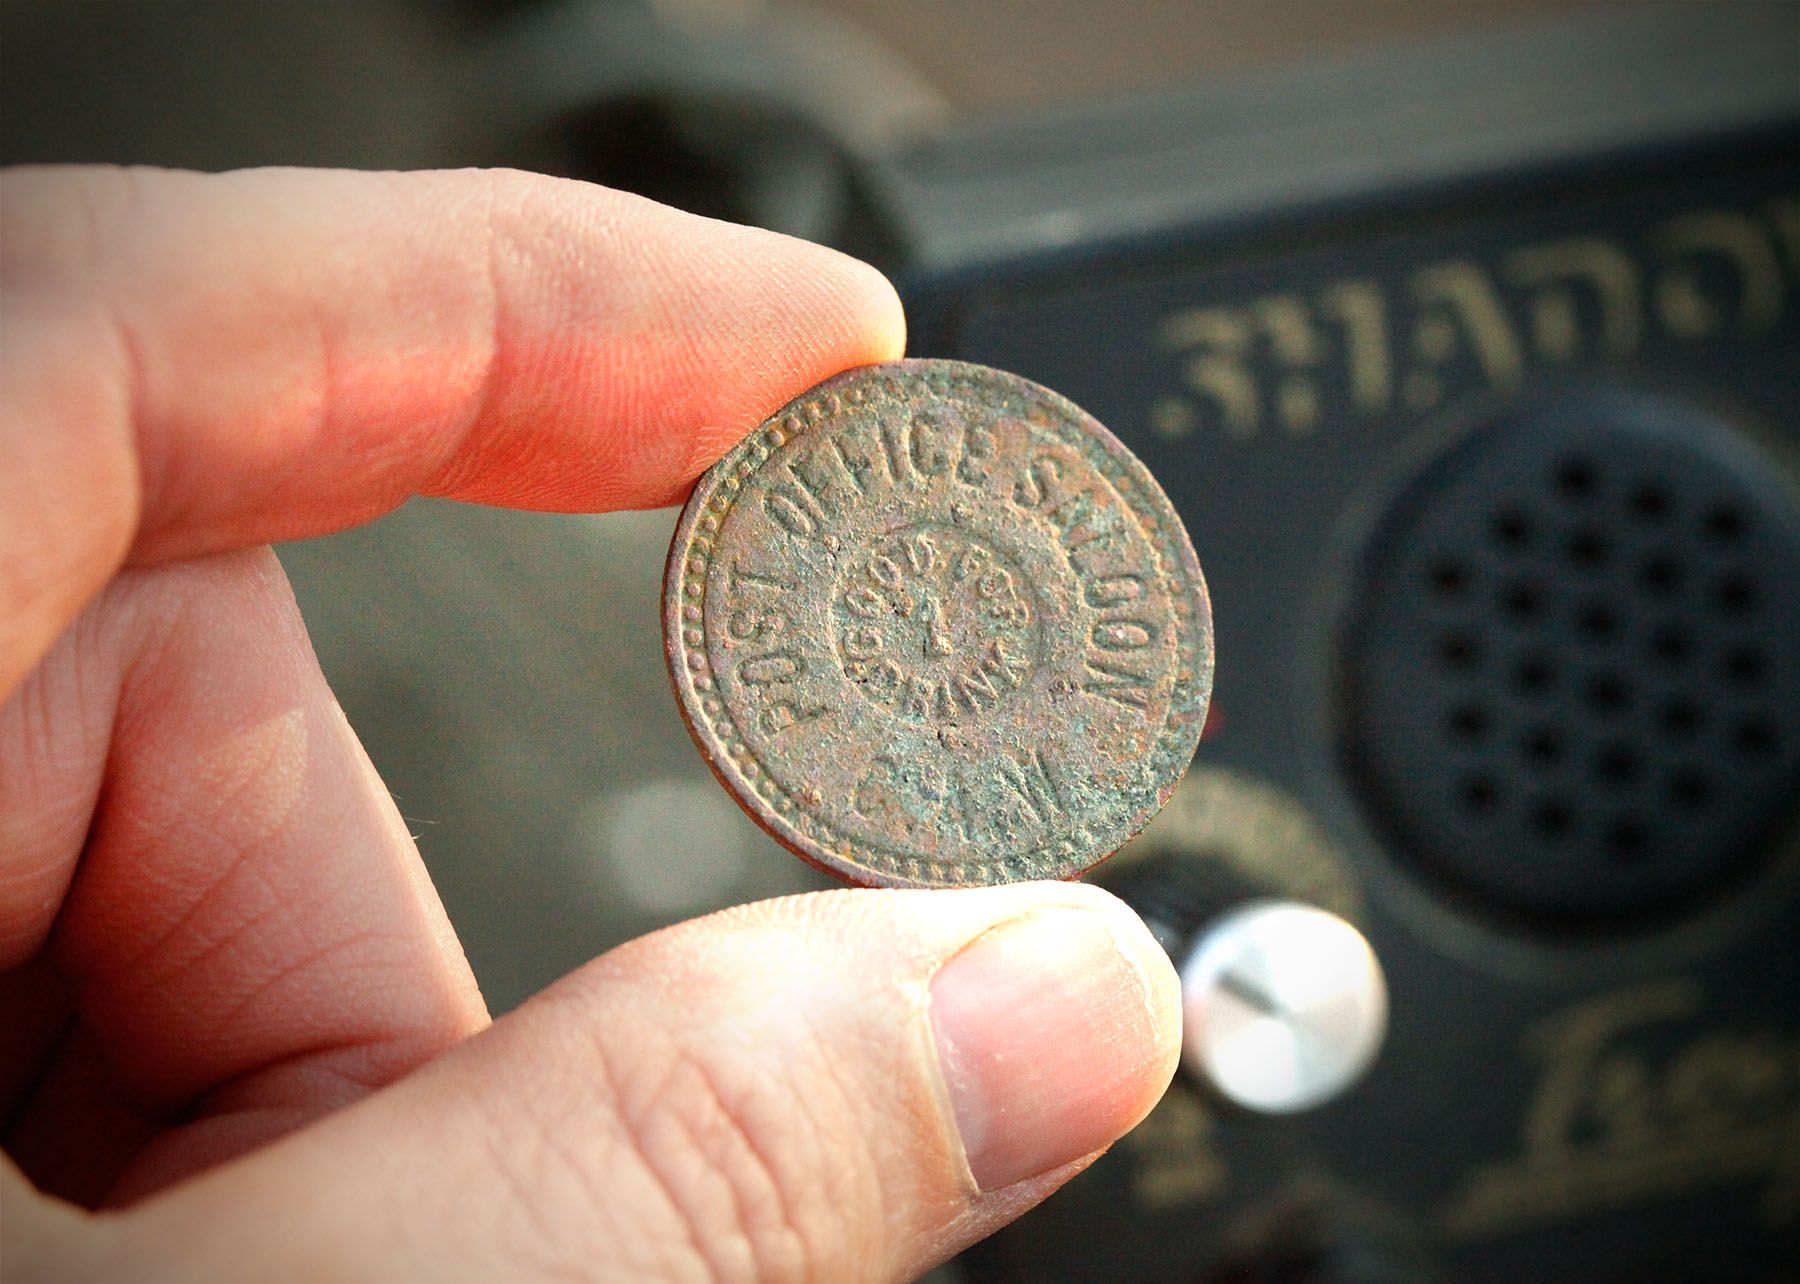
(932, 625)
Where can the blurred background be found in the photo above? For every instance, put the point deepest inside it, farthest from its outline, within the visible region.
(1465, 337)
(506, 669)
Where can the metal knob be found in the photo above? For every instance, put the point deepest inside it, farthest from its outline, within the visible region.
(1283, 1006)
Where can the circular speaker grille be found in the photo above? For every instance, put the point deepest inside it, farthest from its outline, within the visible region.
(1571, 670)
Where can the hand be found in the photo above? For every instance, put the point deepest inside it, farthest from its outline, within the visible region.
(234, 1013)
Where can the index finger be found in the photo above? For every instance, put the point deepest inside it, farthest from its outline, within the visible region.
(195, 362)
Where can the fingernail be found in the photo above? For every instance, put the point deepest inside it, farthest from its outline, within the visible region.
(1056, 1033)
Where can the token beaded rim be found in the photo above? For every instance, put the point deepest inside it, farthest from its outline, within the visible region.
(723, 746)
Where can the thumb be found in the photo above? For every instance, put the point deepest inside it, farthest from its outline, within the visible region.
(845, 1086)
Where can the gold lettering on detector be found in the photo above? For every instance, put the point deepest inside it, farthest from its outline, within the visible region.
(1265, 365)
(1610, 1124)
(1559, 277)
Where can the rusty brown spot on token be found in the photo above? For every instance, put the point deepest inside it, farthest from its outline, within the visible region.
(949, 630)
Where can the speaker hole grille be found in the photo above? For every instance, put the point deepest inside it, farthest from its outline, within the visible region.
(1570, 679)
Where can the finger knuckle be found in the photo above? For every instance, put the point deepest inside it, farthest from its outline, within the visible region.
(716, 1164)
(58, 222)
(731, 1156)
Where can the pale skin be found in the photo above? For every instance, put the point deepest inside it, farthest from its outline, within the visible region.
(238, 1038)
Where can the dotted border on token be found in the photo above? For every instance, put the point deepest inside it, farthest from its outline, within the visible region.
(748, 780)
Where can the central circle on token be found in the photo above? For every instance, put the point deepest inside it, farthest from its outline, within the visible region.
(949, 629)
(935, 625)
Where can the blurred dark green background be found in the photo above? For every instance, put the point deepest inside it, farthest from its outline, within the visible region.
(505, 669)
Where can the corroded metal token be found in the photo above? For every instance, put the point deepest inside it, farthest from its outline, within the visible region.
(932, 625)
